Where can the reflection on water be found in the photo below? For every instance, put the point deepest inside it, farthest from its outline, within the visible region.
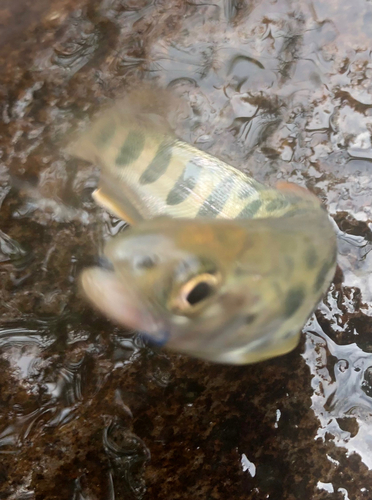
(281, 89)
(342, 385)
(56, 388)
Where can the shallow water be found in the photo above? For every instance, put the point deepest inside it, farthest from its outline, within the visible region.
(279, 89)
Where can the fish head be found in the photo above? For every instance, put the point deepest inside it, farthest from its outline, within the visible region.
(214, 289)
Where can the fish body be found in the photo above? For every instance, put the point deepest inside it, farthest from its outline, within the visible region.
(232, 291)
(148, 173)
(216, 265)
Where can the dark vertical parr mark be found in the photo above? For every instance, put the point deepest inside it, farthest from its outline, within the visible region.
(250, 210)
(131, 149)
(293, 301)
(159, 164)
(247, 191)
(215, 202)
(276, 205)
(311, 257)
(105, 134)
(185, 184)
(249, 188)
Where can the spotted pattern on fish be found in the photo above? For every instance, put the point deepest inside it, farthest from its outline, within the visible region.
(105, 134)
(311, 257)
(158, 165)
(215, 202)
(185, 184)
(247, 191)
(250, 318)
(276, 205)
(293, 301)
(181, 181)
(131, 149)
(250, 210)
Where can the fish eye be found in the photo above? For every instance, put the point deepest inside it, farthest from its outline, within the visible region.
(201, 291)
(194, 292)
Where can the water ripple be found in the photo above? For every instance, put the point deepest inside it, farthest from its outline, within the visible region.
(342, 398)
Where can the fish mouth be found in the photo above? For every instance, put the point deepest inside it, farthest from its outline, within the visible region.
(118, 299)
(104, 263)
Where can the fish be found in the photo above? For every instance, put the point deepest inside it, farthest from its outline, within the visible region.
(215, 264)
(147, 172)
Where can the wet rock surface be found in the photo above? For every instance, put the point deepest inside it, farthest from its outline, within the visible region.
(280, 89)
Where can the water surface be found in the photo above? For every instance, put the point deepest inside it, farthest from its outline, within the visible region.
(280, 89)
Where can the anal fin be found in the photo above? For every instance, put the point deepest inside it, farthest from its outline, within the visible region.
(108, 196)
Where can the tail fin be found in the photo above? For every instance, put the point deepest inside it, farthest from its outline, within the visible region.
(146, 107)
